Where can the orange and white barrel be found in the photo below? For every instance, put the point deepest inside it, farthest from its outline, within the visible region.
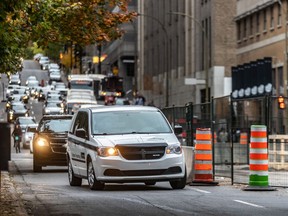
(203, 169)
(244, 138)
(258, 156)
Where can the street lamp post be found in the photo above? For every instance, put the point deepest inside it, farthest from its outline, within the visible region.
(206, 53)
(167, 55)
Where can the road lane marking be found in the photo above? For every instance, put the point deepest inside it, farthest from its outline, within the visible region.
(250, 204)
(145, 202)
(202, 191)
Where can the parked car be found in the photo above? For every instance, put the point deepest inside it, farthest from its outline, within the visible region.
(50, 141)
(124, 144)
(28, 135)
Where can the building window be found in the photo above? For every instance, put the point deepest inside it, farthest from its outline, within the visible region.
(279, 15)
(244, 28)
(238, 30)
(257, 22)
(251, 25)
(271, 17)
(264, 20)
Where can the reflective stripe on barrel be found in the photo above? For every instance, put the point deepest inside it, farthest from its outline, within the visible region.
(258, 156)
(203, 156)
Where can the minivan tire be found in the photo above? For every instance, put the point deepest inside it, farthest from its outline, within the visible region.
(73, 180)
(178, 184)
(92, 181)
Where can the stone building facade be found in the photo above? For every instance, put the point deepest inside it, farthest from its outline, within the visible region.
(185, 40)
(261, 32)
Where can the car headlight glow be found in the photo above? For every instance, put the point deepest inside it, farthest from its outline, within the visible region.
(174, 149)
(103, 93)
(107, 151)
(42, 142)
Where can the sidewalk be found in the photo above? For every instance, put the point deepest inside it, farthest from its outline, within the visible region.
(10, 201)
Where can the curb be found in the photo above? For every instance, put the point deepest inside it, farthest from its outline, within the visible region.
(10, 200)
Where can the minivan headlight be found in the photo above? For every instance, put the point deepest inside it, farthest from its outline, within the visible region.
(107, 151)
(174, 149)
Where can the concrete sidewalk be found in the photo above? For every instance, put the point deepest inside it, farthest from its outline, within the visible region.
(10, 199)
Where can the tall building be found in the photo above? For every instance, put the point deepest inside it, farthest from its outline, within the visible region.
(185, 50)
(262, 32)
(120, 55)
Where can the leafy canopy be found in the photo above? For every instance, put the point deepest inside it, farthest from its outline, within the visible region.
(81, 22)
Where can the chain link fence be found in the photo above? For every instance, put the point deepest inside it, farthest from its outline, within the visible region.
(230, 121)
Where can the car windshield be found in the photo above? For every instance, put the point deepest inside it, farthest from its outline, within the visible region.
(27, 121)
(129, 122)
(55, 126)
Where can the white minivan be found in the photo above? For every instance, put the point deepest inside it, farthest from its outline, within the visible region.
(121, 144)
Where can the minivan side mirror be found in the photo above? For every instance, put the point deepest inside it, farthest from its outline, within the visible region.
(81, 133)
(178, 129)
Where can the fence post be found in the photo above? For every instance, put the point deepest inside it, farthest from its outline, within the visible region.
(212, 121)
(173, 115)
(231, 138)
(189, 123)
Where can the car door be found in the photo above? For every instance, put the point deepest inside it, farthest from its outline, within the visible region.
(74, 145)
(83, 143)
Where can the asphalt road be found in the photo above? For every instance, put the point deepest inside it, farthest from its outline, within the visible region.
(49, 192)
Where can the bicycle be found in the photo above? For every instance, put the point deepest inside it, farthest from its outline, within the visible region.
(17, 143)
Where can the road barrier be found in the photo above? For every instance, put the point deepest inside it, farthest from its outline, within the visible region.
(278, 152)
(244, 138)
(203, 167)
(258, 179)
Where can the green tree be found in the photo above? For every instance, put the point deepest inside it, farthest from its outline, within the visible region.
(45, 22)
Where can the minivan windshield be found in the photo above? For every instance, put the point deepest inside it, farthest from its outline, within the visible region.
(129, 122)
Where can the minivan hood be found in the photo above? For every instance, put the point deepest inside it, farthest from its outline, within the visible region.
(112, 140)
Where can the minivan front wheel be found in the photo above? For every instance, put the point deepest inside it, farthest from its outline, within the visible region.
(92, 181)
(179, 184)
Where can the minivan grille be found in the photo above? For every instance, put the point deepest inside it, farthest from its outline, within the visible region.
(142, 151)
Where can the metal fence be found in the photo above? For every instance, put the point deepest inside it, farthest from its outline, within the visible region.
(230, 121)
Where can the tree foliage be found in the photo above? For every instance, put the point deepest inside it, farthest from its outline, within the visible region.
(81, 22)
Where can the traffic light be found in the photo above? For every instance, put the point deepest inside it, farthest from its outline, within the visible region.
(281, 102)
